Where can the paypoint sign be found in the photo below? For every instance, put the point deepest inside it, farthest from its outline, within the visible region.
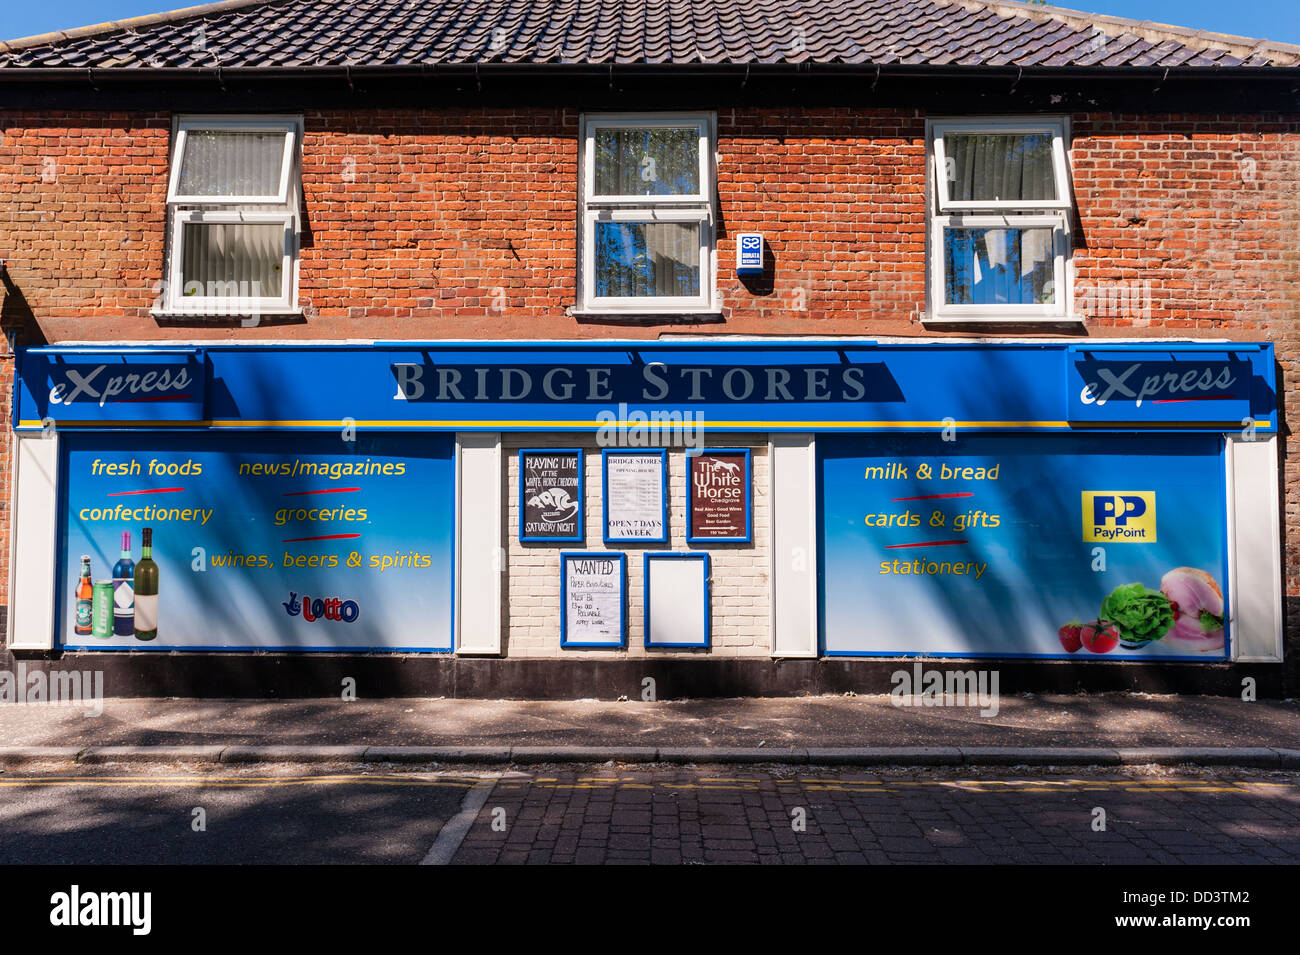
(1119, 516)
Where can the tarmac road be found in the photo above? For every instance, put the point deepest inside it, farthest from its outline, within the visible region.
(315, 813)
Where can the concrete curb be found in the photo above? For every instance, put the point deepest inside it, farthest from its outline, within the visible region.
(1256, 757)
(151, 754)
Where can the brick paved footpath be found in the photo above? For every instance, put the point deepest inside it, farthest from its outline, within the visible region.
(733, 814)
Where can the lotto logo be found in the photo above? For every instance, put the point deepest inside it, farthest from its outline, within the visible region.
(1119, 516)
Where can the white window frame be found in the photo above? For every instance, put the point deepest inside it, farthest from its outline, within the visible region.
(696, 208)
(178, 303)
(282, 208)
(1009, 311)
(945, 212)
(288, 126)
(1054, 129)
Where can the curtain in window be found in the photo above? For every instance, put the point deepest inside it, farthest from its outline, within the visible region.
(999, 266)
(232, 260)
(653, 161)
(225, 163)
(647, 259)
(1000, 166)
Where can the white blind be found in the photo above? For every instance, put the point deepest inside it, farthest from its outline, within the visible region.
(233, 260)
(1001, 166)
(231, 163)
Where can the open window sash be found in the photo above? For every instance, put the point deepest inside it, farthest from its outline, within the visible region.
(216, 142)
(947, 162)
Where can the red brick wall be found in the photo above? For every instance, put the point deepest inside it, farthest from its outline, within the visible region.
(416, 218)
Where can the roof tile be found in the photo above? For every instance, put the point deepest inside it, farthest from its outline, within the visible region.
(237, 34)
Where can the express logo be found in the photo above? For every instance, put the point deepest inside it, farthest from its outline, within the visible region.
(321, 608)
(1119, 516)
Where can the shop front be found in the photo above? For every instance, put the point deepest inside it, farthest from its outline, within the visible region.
(607, 507)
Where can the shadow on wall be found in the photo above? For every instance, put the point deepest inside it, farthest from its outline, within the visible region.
(15, 312)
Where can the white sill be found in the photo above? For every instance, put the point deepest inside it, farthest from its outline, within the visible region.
(226, 313)
(698, 313)
(1006, 318)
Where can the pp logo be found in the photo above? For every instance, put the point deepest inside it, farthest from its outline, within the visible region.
(1119, 516)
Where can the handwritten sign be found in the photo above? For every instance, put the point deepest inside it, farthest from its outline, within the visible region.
(550, 495)
(634, 496)
(592, 600)
(718, 501)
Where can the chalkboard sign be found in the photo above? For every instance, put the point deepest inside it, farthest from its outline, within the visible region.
(718, 502)
(636, 495)
(550, 495)
(677, 600)
(592, 599)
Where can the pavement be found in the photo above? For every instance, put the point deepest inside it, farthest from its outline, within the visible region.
(1114, 729)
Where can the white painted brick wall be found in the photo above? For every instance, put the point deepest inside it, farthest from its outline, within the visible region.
(740, 594)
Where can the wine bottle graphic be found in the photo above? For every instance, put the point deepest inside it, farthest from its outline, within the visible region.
(124, 591)
(146, 589)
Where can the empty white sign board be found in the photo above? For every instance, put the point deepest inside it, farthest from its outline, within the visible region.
(676, 600)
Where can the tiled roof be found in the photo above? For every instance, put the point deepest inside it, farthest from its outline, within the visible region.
(265, 34)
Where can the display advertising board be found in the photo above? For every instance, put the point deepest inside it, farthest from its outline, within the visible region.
(636, 495)
(676, 608)
(1080, 547)
(550, 495)
(718, 498)
(260, 541)
(592, 599)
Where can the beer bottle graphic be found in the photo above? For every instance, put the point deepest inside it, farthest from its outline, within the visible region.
(124, 591)
(85, 599)
(146, 589)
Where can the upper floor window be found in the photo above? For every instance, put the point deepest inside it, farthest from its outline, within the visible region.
(233, 200)
(999, 240)
(647, 217)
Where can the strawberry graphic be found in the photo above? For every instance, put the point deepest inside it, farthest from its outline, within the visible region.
(1071, 636)
(1099, 637)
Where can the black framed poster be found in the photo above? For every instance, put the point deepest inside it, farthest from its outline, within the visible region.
(550, 494)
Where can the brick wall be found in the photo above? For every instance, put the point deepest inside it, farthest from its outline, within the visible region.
(462, 223)
(416, 218)
(740, 587)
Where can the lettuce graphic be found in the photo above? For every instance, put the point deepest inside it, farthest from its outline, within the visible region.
(1140, 615)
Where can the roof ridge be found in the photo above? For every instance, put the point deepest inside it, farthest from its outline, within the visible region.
(132, 23)
(1146, 29)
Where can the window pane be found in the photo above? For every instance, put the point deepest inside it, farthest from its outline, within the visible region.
(647, 259)
(999, 266)
(233, 260)
(223, 163)
(649, 161)
(999, 166)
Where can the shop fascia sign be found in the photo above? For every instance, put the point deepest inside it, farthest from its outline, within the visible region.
(652, 382)
(759, 385)
(154, 385)
(1151, 384)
